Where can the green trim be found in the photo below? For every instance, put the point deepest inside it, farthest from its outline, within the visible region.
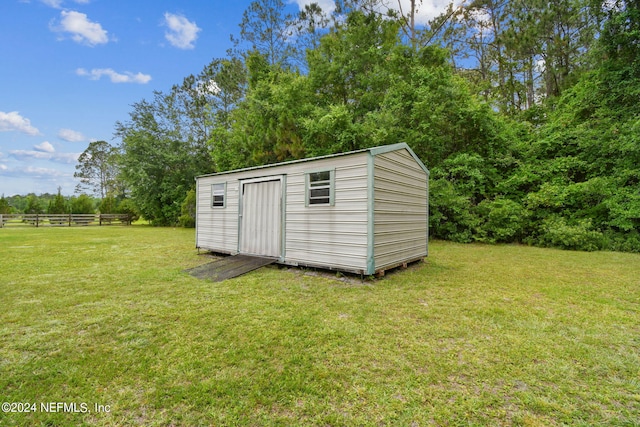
(427, 215)
(197, 210)
(283, 217)
(387, 148)
(395, 147)
(239, 213)
(332, 186)
(371, 261)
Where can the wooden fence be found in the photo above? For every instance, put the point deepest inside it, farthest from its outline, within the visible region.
(63, 220)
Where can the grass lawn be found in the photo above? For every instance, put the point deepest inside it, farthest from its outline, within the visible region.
(476, 335)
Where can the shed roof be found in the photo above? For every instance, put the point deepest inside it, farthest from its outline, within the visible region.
(374, 151)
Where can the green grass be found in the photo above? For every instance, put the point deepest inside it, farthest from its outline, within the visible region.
(476, 335)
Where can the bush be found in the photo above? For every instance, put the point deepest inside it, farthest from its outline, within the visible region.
(556, 232)
(82, 204)
(623, 242)
(188, 210)
(108, 205)
(503, 220)
(5, 208)
(33, 205)
(128, 207)
(450, 213)
(57, 206)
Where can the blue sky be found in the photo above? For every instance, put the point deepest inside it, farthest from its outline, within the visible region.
(69, 69)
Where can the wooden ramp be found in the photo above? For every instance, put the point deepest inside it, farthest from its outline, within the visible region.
(229, 267)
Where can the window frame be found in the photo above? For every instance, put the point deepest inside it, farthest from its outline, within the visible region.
(219, 192)
(308, 187)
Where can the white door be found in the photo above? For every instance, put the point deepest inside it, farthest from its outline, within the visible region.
(261, 220)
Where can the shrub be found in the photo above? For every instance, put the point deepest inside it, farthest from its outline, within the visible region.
(57, 206)
(127, 206)
(108, 205)
(556, 232)
(5, 208)
(502, 220)
(82, 204)
(188, 210)
(33, 205)
(450, 213)
(623, 242)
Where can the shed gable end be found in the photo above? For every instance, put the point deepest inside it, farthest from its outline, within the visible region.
(400, 209)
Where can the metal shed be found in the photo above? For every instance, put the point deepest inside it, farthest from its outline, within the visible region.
(364, 211)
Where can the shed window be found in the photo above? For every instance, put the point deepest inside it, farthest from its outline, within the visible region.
(320, 187)
(218, 195)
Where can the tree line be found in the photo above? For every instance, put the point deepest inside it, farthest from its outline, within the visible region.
(48, 203)
(526, 113)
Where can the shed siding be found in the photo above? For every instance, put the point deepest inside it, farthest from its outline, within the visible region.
(319, 235)
(217, 228)
(332, 236)
(400, 209)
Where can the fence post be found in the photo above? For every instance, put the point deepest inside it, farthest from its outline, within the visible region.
(69, 220)
(37, 224)
(1, 221)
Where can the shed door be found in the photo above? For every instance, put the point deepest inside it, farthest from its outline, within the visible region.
(261, 220)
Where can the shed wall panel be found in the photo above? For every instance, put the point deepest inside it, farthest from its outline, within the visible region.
(217, 228)
(332, 236)
(321, 235)
(400, 209)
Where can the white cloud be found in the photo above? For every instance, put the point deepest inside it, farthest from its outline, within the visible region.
(208, 88)
(428, 10)
(425, 10)
(30, 154)
(71, 135)
(126, 77)
(327, 6)
(44, 147)
(182, 32)
(43, 172)
(66, 158)
(53, 3)
(82, 30)
(14, 121)
(57, 4)
(3, 167)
